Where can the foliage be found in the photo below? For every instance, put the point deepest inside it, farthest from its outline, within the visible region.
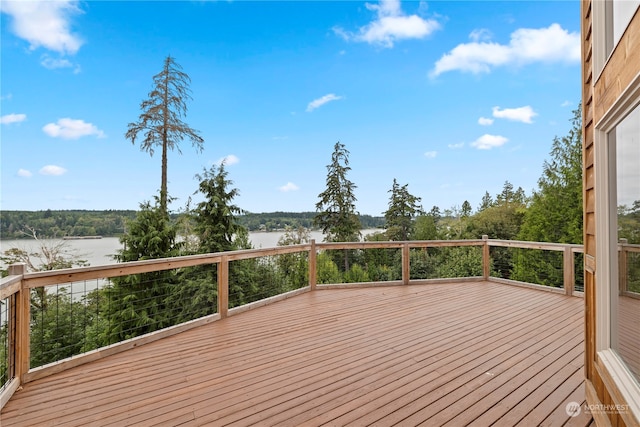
(327, 270)
(161, 119)
(137, 303)
(336, 209)
(425, 228)
(555, 212)
(460, 262)
(55, 224)
(403, 208)
(216, 223)
(58, 327)
(356, 274)
(294, 267)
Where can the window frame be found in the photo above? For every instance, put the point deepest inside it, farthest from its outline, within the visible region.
(607, 244)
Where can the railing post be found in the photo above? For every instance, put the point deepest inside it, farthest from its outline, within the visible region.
(485, 257)
(312, 266)
(406, 272)
(568, 270)
(223, 286)
(622, 266)
(23, 314)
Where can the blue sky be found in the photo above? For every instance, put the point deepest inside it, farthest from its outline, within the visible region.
(450, 97)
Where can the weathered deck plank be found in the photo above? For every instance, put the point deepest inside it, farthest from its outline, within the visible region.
(440, 353)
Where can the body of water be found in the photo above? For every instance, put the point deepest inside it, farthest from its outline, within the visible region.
(101, 251)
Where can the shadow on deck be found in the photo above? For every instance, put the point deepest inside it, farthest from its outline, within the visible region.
(459, 353)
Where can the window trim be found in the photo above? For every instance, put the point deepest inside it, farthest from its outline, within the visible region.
(607, 245)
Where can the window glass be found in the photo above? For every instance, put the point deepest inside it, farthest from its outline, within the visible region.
(626, 298)
(623, 11)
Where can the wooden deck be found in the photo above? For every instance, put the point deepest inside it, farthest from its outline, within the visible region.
(463, 353)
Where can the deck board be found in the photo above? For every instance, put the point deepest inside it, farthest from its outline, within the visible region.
(457, 353)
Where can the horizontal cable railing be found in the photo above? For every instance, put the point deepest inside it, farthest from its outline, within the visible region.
(54, 320)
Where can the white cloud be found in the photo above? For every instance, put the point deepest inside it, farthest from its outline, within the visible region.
(54, 63)
(521, 114)
(456, 146)
(72, 129)
(24, 173)
(316, 103)
(289, 186)
(484, 121)
(566, 104)
(44, 23)
(430, 154)
(481, 34)
(228, 160)
(487, 142)
(527, 45)
(53, 170)
(6, 97)
(390, 26)
(12, 118)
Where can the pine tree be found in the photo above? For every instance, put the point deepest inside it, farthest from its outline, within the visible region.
(161, 118)
(403, 208)
(336, 210)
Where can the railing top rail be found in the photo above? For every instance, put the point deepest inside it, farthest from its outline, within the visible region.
(534, 245)
(9, 286)
(629, 247)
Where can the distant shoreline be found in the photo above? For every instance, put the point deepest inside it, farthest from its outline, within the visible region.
(81, 237)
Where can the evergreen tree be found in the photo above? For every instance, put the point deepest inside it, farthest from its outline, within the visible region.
(466, 209)
(555, 212)
(487, 202)
(336, 210)
(161, 118)
(138, 302)
(403, 208)
(216, 217)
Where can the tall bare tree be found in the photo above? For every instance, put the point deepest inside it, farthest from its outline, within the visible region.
(161, 119)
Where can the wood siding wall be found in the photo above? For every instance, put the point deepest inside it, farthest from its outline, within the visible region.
(622, 66)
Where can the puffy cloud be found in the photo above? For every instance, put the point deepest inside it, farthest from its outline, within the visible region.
(316, 103)
(430, 154)
(487, 142)
(566, 104)
(484, 121)
(289, 186)
(53, 170)
(12, 118)
(72, 129)
(24, 173)
(527, 45)
(390, 26)
(521, 114)
(456, 146)
(44, 23)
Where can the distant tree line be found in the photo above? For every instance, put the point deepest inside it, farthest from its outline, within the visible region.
(60, 223)
(112, 223)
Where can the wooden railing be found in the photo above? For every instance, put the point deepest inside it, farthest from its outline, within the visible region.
(625, 251)
(15, 291)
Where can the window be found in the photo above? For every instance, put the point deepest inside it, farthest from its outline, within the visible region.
(624, 141)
